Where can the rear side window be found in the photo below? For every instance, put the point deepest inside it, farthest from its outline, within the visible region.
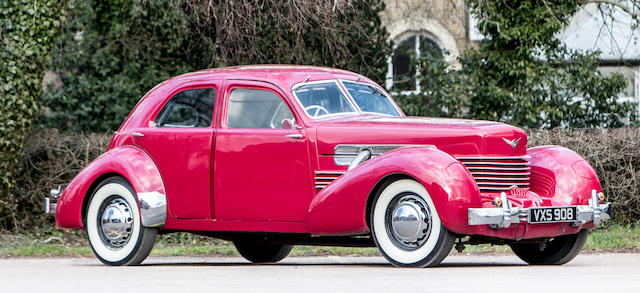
(254, 108)
(189, 108)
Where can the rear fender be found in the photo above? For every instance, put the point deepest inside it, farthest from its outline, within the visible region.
(341, 208)
(129, 162)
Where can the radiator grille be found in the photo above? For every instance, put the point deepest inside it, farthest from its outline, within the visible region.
(496, 174)
(323, 178)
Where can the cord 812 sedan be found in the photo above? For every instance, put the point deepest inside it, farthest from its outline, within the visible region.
(274, 156)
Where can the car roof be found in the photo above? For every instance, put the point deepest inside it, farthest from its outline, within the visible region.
(282, 75)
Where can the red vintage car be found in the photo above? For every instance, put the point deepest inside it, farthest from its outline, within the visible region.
(273, 156)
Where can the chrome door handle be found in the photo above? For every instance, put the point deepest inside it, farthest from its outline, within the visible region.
(137, 134)
(295, 135)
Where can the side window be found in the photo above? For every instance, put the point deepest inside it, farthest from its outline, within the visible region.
(253, 108)
(190, 108)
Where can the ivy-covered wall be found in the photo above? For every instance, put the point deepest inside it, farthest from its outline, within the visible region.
(28, 30)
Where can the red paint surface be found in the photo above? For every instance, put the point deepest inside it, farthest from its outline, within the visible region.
(222, 179)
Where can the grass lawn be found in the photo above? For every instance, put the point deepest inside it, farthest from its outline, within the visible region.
(616, 238)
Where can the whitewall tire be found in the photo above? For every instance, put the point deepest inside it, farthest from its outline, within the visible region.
(406, 226)
(113, 224)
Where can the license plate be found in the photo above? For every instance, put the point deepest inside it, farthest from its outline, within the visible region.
(553, 215)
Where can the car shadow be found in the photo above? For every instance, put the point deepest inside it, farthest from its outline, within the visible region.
(444, 265)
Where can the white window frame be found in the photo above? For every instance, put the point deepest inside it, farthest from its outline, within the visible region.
(400, 39)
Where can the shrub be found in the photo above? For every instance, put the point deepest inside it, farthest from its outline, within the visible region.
(53, 158)
(614, 154)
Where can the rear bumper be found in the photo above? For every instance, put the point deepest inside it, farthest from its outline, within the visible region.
(51, 203)
(504, 216)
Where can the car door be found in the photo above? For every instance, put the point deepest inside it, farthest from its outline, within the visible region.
(179, 140)
(261, 168)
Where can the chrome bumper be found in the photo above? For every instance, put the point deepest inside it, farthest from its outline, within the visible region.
(506, 215)
(50, 203)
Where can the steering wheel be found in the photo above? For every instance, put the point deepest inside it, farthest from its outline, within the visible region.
(318, 109)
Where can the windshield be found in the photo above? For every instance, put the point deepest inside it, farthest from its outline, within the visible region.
(321, 99)
(370, 99)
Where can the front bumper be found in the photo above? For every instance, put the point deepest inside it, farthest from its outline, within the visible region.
(51, 203)
(504, 216)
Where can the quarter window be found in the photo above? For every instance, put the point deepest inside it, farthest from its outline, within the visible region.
(189, 108)
(254, 108)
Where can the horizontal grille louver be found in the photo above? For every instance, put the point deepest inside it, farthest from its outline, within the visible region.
(496, 174)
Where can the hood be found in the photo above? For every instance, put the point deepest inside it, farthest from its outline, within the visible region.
(455, 136)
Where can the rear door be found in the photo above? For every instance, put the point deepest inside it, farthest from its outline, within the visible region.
(261, 169)
(180, 140)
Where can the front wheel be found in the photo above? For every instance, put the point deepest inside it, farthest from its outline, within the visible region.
(406, 226)
(114, 228)
(559, 250)
(258, 252)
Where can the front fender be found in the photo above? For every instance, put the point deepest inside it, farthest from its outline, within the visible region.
(562, 174)
(341, 207)
(129, 162)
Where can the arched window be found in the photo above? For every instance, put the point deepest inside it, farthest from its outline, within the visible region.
(404, 69)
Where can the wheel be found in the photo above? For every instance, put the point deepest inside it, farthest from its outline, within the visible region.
(406, 226)
(559, 250)
(257, 252)
(114, 228)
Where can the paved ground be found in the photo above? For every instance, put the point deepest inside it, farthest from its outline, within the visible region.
(606, 273)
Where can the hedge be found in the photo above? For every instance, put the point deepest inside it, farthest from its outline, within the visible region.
(53, 158)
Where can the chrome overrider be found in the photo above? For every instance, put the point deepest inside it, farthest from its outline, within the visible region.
(504, 216)
(153, 206)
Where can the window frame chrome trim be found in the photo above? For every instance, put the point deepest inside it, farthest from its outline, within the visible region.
(355, 107)
(395, 106)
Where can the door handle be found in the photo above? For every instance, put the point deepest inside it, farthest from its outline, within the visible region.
(137, 134)
(295, 135)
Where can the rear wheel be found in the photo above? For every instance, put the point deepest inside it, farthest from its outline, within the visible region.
(557, 251)
(114, 228)
(257, 252)
(406, 226)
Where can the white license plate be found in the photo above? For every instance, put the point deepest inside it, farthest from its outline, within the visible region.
(552, 215)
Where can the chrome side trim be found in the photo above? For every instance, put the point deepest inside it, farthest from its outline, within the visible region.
(362, 157)
(344, 154)
(506, 215)
(153, 208)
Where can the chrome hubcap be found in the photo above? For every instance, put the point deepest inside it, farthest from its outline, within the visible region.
(408, 221)
(116, 222)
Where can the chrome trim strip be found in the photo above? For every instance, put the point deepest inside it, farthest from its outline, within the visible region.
(480, 173)
(330, 172)
(325, 178)
(506, 168)
(342, 152)
(501, 178)
(153, 208)
(493, 183)
(495, 158)
(496, 163)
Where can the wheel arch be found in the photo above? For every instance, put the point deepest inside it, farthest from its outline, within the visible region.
(380, 185)
(343, 207)
(91, 190)
(128, 162)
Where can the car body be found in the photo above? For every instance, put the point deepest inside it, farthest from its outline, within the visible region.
(281, 155)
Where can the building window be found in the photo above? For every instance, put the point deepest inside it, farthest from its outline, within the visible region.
(404, 69)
